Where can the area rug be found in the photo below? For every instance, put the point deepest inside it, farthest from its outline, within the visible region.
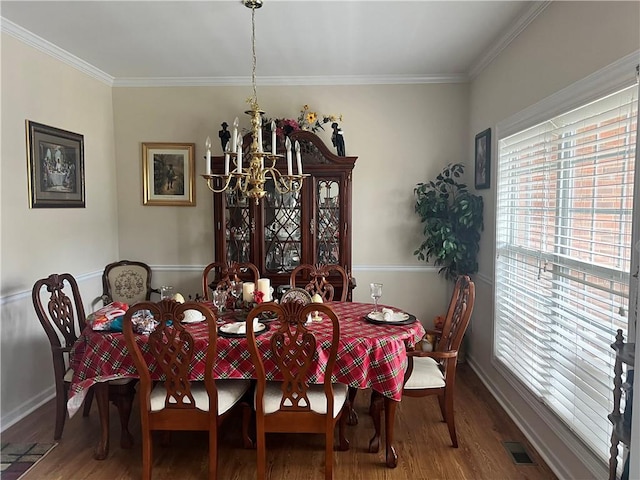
(17, 458)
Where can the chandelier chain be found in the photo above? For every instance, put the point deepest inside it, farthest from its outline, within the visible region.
(253, 51)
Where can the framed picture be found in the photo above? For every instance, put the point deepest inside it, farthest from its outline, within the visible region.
(483, 159)
(168, 174)
(55, 161)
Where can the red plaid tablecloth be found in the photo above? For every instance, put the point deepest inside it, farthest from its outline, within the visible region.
(369, 356)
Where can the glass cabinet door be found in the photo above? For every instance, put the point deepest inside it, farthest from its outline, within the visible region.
(327, 225)
(237, 223)
(282, 231)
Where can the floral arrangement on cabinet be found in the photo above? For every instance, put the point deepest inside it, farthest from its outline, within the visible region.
(308, 119)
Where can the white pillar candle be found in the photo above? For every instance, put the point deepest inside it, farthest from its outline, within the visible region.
(264, 286)
(207, 167)
(226, 159)
(273, 137)
(260, 135)
(298, 159)
(234, 135)
(287, 145)
(247, 291)
(239, 152)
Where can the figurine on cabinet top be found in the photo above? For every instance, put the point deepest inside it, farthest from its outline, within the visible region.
(338, 139)
(224, 135)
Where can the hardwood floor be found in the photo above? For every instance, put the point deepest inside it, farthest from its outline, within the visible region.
(421, 439)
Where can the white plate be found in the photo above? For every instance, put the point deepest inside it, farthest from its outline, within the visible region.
(232, 328)
(193, 316)
(395, 317)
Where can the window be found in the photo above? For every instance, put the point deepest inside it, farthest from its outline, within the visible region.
(564, 213)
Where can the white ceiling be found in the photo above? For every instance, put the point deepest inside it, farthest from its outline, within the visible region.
(298, 41)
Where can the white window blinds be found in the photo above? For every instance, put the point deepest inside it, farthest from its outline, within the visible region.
(563, 245)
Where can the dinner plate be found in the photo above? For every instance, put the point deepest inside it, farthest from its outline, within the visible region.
(296, 295)
(399, 318)
(229, 330)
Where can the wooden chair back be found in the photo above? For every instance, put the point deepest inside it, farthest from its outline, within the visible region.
(443, 361)
(318, 279)
(219, 275)
(171, 348)
(292, 348)
(63, 319)
(458, 305)
(126, 281)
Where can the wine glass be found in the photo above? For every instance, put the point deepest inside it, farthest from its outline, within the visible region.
(220, 299)
(166, 292)
(376, 293)
(236, 291)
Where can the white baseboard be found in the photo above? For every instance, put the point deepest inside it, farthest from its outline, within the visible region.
(26, 408)
(560, 467)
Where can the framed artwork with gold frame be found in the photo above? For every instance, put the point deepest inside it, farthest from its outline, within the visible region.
(168, 174)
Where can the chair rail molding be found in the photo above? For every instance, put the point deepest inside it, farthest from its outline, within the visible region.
(22, 294)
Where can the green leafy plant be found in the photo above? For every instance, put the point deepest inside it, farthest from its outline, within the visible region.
(452, 218)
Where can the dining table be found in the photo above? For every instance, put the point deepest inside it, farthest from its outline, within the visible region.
(371, 354)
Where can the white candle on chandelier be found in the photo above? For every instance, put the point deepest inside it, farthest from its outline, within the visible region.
(273, 137)
(207, 167)
(298, 159)
(287, 145)
(239, 154)
(260, 136)
(234, 135)
(226, 159)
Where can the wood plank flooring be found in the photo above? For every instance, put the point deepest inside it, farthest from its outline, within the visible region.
(422, 443)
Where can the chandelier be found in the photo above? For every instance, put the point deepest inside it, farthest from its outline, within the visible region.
(250, 180)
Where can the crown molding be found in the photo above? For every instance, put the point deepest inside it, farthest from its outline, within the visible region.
(288, 81)
(39, 43)
(508, 37)
(58, 53)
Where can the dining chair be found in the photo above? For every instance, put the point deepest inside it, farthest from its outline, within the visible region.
(178, 403)
(219, 275)
(297, 404)
(63, 318)
(127, 281)
(434, 373)
(317, 279)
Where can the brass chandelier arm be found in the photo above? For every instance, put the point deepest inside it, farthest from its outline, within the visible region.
(243, 181)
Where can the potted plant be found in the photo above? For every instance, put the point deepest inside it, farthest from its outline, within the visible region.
(452, 218)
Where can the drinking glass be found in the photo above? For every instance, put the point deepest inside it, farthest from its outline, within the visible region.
(220, 299)
(376, 293)
(166, 291)
(236, 292)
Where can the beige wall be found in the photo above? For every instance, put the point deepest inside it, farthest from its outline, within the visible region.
(569, 41)
(38, 242)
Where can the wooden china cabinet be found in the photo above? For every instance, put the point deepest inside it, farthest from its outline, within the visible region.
(284, 230)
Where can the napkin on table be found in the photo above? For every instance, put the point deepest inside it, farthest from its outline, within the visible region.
(240, 328)
(387, 314)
